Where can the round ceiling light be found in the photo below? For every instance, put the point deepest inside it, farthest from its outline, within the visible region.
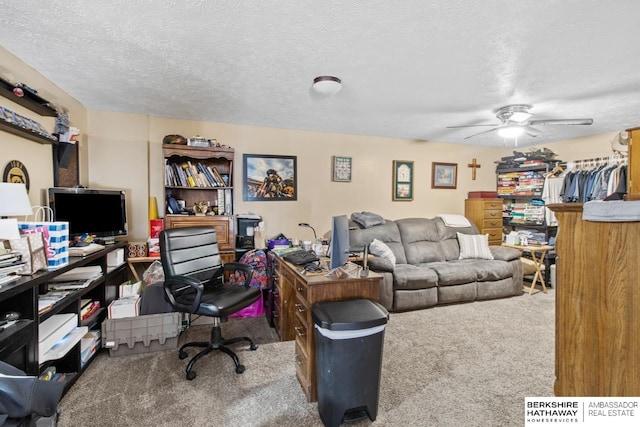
(510, 131)
(327, 85)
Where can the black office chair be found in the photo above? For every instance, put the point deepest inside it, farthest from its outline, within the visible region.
(197, 282)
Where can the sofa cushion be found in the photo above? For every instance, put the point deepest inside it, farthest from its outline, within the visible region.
(454, 272)
(474, 246)
(407, 276)
(421, 241)
(488, 270)
(380, 249)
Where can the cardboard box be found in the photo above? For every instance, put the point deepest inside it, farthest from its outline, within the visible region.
(124, 307)
(142, 334)
(115, 258)
(155, 227)
(154, 247)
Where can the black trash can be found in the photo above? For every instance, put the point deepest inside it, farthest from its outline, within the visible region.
(349, 340)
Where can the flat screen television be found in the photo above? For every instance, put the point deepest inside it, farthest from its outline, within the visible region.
(339, 243)
(102, 213)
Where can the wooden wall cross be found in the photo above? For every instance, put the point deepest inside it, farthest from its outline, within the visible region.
(473, 165)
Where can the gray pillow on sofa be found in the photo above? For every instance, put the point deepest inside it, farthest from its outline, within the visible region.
(367, 219)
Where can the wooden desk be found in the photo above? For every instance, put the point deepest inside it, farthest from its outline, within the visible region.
(294, 296)
(137, 260)
(537, 255)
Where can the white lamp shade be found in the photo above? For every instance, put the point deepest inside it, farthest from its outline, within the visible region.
(510, 131)
(14, 200)
(327, 85)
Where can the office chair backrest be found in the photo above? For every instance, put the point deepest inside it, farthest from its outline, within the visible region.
(191, 251)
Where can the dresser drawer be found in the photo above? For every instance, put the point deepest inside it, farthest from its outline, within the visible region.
(492, 205)
(492, 214)
(492, 223)
(494, 235)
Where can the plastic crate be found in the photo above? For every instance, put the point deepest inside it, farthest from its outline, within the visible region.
(141, 334)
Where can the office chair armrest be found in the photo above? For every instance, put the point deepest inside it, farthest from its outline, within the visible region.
(184, 293)
(245, 272)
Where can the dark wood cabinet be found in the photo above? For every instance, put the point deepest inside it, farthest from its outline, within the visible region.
(297, 293)
(181, 162)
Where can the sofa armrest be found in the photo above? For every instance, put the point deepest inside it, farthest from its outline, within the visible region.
(504, 253)
(380, 264)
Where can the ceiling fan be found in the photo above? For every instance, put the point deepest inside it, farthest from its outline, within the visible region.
(515, 121)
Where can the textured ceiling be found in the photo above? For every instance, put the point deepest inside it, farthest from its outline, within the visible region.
(410, 68)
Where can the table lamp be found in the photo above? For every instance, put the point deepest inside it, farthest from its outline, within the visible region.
(315, 236)
(14, 201)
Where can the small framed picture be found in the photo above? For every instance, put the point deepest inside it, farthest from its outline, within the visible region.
(341, 168)
(444, 175)
(402, 180)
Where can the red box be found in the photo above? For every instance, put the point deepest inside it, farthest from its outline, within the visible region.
(482, 195)
(155, 227)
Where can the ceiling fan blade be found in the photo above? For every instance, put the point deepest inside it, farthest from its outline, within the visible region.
(561, 122)
(485, 131)
(532, 132)
(468, 126)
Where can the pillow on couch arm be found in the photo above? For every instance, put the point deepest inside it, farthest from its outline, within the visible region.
(474, 246)
(380, 249)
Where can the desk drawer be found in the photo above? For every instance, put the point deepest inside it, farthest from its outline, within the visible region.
(303, 370)
(301, 290)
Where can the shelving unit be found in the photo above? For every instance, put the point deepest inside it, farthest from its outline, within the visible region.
(219, 197)
(517, 188)
(19, 342)
(32, 102)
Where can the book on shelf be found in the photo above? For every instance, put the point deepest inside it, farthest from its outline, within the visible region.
(89, 310)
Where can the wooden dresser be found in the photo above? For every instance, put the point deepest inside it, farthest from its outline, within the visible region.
(486, 214)
(597, 306)
(295, 295)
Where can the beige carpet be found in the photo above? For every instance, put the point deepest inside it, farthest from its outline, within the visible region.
(459, 365)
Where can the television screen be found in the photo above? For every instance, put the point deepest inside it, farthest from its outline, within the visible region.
(102, 213)
(339, 244)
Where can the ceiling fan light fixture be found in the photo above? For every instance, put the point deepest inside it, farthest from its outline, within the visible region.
(327, 85)
(520, 116)
(511, 131)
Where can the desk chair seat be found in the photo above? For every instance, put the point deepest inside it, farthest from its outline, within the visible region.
(197, 282)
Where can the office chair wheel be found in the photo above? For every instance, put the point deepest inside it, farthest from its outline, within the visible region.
(239, 369)
(191, 375)
(183, 355)
(253, 347)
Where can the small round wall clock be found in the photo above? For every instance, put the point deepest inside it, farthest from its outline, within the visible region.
(16, 172)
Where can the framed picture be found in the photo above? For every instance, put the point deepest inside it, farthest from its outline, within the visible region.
(402, 180)
(341, 168)
(444, 175)
(269, 177)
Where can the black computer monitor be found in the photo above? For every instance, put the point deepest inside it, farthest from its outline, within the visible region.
(339, 244)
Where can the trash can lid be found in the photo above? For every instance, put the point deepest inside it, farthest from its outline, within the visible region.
(349, 315)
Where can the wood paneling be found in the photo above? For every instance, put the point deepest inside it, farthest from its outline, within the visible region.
(597, 301)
